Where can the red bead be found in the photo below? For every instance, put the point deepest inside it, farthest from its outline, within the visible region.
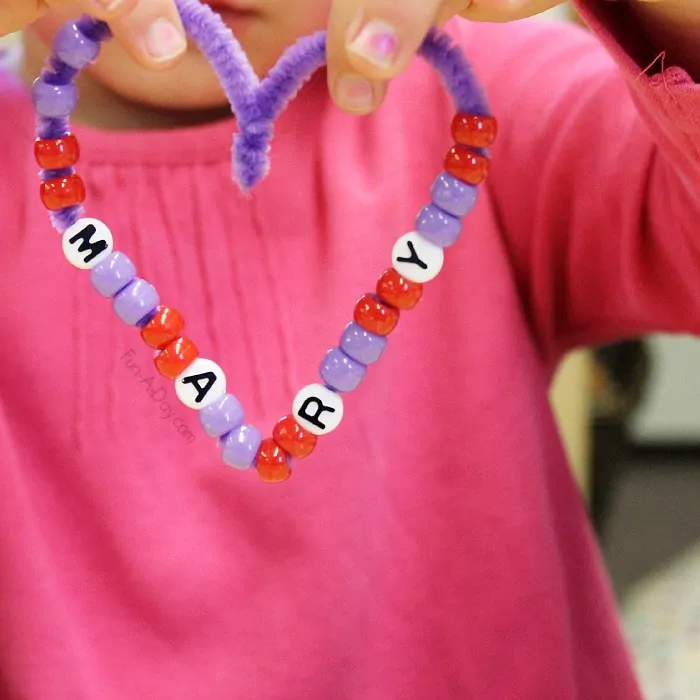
(466, 165)
(374, 316)
(293, 439)
(62, 192)
(472, 130)
(272, 462)
(175, 358)
(398, 291)
(54, 154)
(163, 328)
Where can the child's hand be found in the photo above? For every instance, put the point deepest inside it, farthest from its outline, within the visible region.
(371, 41)
(149, 29)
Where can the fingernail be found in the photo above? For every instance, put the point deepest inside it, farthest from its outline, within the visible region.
(377, 42)
(164, 40)
(355, 94)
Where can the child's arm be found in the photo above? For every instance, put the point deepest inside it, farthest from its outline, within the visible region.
(598, 193)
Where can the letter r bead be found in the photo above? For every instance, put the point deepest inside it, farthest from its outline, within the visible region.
(318, 409)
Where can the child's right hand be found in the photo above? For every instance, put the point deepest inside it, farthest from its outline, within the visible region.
(149, 29)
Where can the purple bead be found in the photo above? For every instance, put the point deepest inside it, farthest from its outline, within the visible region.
(438, 226)
(94, 29)
(74, 48)
(361, 345)
(112, 274)
(136, 300)
(452, 195)
(222, 416)
(340, 372)
(240, 447)
(54, 101)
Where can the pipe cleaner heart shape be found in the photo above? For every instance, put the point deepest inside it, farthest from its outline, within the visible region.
(417, 257)
(257, 103)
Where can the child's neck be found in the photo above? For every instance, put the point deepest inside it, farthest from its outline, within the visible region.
(101, 108)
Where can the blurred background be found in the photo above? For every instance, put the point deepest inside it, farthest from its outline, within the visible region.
(630, 417)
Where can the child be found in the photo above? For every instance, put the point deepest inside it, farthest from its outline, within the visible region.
(435, 545)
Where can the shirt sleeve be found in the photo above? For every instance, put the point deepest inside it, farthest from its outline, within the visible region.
(595, 179)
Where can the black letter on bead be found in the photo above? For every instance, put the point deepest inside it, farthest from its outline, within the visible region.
(195, 379)
(320, 408)
(86, 244)
(414, 259)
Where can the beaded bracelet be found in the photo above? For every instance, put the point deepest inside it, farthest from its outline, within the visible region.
(417, 256)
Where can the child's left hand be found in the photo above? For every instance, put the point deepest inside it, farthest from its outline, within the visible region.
(372, 41)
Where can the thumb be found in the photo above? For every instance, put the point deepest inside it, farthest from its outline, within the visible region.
(17, 14)
(370, 42)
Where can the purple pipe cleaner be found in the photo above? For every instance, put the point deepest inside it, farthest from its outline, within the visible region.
(257, 103)
(57, 72)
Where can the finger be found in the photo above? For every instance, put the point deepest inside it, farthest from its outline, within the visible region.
(505, 10)
(354, 93)
(18, 14)
(449, 9)
(381, 36)
(150, 30)
(370, 42)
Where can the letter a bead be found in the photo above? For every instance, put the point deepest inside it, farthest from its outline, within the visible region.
(318, 409)
(201, 384)
(87, 243)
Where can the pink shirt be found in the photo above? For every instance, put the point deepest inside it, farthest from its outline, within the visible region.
(435, 545)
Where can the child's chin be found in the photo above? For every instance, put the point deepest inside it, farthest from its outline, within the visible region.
(176, 101)
(189, 86)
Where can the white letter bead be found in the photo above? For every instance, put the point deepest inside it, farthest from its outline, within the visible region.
(318, 409)
(87, 243)
(416, 258)
(202, 383)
